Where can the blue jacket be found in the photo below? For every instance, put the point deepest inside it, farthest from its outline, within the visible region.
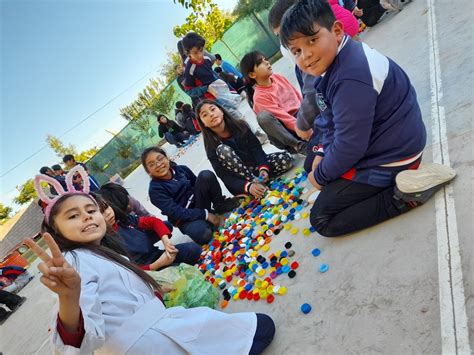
(229, 68)
(175, 197)
(369, 113)
(138, 243)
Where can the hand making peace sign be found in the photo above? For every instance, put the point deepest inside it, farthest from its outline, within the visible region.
(58, 275)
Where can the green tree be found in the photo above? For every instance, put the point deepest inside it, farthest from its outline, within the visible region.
(155, 97)
(206, 19)
(27, 193)
(168, 70)
(4, 213)
(61, 149)
(247, 7)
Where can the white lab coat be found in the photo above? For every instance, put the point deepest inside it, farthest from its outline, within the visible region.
(123, 316)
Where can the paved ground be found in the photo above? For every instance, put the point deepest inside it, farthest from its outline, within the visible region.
(403, 287)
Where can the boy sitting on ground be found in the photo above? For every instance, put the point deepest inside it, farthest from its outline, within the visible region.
(373, 132)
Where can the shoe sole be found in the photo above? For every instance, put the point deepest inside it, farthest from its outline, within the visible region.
(426, 177)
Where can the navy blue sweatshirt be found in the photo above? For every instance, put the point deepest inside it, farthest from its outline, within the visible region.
(249, 149)
(175, 197)
(369, 113)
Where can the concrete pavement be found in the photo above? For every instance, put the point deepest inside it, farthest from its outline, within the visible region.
(403, 287)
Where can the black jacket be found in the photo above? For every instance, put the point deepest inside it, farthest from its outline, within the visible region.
(171, 126)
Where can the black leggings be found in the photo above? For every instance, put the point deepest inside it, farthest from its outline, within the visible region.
(263, 334)
(278, 162)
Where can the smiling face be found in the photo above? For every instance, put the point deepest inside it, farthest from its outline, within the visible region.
(261, 71)
(79, 220)
(315, 54)
(157, 165)
(212, 116)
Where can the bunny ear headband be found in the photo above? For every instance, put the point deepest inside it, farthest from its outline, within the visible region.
(78, 169)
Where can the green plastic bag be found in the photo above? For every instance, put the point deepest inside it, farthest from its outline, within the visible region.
(191, 288)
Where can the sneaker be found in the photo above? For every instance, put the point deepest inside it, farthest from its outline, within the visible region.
(15, 307)
(302, 148)
(227, 205)
(262, 137)
(5, 317)
(415, 187)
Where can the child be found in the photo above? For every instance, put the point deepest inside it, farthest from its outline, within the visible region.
(308, 111)
(117, 193)
(107, 304)
(70, 162)
(349, 22)
(227, 67)
(235, 83)
(138, 235)
(173, 133)
(199, 78)
(185, 117)
(275, 101)
(373, 131)
(183, 198)
(235, 152)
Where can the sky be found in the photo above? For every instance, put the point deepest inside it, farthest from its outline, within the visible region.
(67, 67)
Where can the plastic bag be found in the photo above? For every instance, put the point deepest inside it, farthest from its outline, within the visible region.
(191, 288)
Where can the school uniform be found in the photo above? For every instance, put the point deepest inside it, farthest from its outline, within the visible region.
(139, 234)
(240, 159)
(372, 129)
(121, 315)
(172, 132)
(186, 200)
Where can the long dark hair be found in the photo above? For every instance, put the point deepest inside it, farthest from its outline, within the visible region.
(117, 197)
(232, 124)
(109, 247)
(247, 65)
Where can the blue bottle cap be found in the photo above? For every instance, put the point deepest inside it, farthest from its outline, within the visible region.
(316, 252)
(305, 308)
(323, 267)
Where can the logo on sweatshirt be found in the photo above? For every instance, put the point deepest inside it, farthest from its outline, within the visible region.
(321, 102)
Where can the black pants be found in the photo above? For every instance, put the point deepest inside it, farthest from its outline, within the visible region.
(207, 192)
(8, 299)
(263, 334)
(345, 206)
(372, 11)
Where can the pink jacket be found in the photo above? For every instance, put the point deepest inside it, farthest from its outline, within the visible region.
(281, 99)
(350, 23)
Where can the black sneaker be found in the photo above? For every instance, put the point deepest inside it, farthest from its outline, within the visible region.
(227, 205)
(302, 148)
(15, 307)
(415, 187)
(5, 317)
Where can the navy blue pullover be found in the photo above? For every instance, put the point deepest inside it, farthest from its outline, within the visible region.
(369, 113)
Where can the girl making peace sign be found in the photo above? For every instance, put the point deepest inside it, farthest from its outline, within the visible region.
(109, 305)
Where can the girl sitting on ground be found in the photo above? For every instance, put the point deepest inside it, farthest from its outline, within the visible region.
(108, 305)
(235, 152)
(189, 202)
(138, 236)
(275, 101)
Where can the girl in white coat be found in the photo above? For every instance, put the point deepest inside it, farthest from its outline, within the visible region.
(108, 305)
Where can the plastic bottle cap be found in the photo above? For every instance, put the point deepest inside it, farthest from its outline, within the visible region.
(323, 267)
(316, 252)
(305, 308)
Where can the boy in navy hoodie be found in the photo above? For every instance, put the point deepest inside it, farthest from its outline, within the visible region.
(373, 132)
